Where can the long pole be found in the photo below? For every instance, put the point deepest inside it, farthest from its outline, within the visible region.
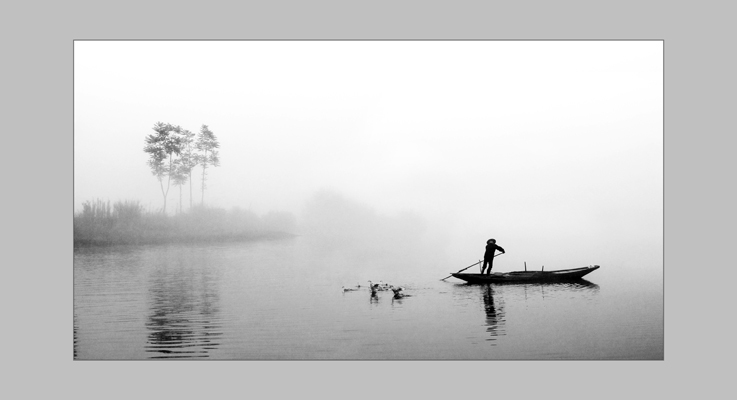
(462, 270)
(468, 267)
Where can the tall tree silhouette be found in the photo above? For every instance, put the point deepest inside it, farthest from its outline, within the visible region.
(207, 144)
(161, 147)
(180, 175)
(188, 159)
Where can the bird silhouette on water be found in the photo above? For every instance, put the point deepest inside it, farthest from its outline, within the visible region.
(398, 292)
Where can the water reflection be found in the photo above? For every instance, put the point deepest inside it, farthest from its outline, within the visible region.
(494, 313)
(183, 320)
(374, 297)
(494, 301)
(581, 286)
(76, 344)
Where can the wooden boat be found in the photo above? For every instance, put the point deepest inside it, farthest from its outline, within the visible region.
(528, 276)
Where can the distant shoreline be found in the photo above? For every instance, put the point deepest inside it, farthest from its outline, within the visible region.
(125, 223)
(184, 239)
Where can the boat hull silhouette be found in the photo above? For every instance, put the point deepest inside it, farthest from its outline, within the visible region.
(528, 276)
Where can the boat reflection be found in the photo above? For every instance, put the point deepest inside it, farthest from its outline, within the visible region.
(578, 284)
(552, 288)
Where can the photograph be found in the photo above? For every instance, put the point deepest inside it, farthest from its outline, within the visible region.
(368, 200)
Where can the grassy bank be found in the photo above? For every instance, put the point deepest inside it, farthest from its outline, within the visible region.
(101, 223)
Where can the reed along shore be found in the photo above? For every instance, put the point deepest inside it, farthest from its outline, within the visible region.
(101, 223)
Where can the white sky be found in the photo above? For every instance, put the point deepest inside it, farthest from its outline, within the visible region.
(526, 137)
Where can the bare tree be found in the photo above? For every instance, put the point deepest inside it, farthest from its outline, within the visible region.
(161, 147)
(207, 144)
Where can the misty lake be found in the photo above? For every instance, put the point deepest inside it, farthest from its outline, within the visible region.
(283, 300)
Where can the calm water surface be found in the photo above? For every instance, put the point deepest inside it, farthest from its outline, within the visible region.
(284, 300)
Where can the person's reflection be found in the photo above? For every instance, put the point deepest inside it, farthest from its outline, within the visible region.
(75, 335)
(494, 313)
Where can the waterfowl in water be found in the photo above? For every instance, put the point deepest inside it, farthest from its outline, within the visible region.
(381, 286)
(398, 292)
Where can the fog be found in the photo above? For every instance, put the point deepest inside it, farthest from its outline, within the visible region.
(553, 148)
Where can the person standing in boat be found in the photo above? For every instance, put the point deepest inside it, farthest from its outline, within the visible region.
(491, 247)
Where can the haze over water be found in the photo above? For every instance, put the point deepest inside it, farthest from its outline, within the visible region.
(398, 161)
(284, 300)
